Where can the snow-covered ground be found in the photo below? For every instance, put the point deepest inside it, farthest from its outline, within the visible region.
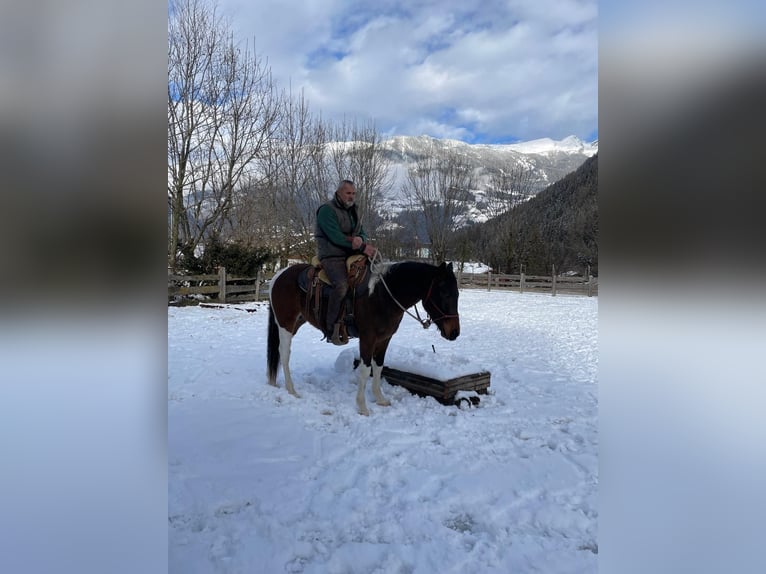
(262, 482)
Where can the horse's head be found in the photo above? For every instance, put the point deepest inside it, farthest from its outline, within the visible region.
(441, 302)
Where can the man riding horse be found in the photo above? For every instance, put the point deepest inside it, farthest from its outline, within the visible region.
(339, 234)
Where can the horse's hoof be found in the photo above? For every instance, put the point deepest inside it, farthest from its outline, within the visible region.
(383, 403)
(273, 384)
(364, 412)
(295, 394)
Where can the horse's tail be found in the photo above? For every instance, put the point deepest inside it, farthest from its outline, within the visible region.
(272, 348)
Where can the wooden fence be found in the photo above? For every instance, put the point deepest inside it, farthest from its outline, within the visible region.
(233, 288)
(226, 287)
(522, 283)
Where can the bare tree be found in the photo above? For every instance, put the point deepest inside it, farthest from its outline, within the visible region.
(509, 186)
(357, 154)
(302, 176)
(436, 187)
(253, 215)
(222, 111)
(278, 208)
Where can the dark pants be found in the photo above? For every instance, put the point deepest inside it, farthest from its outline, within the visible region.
(335, 267)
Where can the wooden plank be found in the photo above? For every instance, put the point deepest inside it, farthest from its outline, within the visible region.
(193, 277)
(222, 284)
(443, 391)
(553, 273)
(193, 290)
(543, 287)
(241, 288)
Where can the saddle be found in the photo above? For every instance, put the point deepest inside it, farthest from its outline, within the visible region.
(356, 267)
(314, 282)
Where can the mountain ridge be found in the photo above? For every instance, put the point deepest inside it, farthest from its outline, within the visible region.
(549, 160)
(559, 226)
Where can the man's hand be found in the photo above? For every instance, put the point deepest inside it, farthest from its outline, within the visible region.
(370, 251)
(356, 242)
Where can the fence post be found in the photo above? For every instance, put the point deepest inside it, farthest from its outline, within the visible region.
(489, 280)
(222, 284)
(459, 278)
(258, 286)
(553, 270)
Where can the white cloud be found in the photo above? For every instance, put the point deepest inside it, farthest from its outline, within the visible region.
(440, 129)
(465, 69)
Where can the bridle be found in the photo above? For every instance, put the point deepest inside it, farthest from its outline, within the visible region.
(425, 323)
(435, 306)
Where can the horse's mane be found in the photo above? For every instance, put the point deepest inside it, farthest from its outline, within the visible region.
(377, 271)
(385, 268)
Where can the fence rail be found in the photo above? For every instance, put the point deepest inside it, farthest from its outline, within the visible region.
(228, 288)
(552, 284)
(232, 288)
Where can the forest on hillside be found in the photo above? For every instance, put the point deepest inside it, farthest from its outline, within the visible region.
(558, 226)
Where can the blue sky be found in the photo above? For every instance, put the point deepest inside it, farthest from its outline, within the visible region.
(478, 71)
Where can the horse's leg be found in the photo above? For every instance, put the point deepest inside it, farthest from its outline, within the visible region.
(377, 369)
(365, 355)
(285, 341)
(272, 349)
(361, 403)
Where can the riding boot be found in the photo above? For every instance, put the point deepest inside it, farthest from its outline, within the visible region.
(336, 333)
(335, 267)
(333, 312)
(339, 336)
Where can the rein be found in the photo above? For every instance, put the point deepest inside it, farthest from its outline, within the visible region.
(424, 323)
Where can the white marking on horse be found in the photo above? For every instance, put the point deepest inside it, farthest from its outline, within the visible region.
(380, 270)
(285, 342)
(379, 398)
(361, 404)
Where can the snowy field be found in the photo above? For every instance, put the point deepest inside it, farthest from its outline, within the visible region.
(262, 482)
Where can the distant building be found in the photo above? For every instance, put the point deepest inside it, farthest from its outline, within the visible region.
(472, 267)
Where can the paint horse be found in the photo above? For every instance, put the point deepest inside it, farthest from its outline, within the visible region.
(393, 288)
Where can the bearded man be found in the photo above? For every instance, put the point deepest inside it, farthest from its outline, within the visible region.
(339, 233)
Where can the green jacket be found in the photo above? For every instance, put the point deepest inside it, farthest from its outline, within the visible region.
(334, 228)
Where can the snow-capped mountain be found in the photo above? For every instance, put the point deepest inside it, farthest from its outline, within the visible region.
(544, 146)
(549, 160)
